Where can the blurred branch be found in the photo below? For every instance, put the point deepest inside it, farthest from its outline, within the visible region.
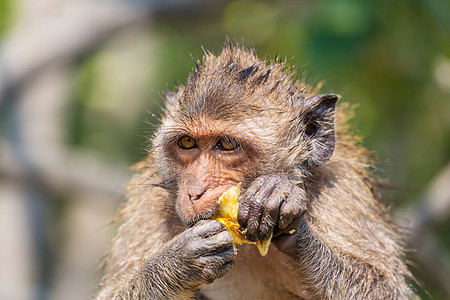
(72, 29)
(75, 174)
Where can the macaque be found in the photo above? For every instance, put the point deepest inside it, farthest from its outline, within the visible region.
(305, 181)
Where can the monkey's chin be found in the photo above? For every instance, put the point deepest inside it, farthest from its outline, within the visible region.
(190, 219)
(190, 214)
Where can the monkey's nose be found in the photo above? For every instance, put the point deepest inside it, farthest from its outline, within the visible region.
(195, 196)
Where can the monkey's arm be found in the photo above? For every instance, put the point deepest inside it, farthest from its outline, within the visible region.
(342, 247)
(333, 275)
(199, 255)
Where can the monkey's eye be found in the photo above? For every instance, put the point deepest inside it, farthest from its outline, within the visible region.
(227, 144)
(187, 142)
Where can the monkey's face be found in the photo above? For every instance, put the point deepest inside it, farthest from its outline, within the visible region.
(207, 162)
(205, 156)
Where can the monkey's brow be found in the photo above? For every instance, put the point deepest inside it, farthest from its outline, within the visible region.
(173, 136)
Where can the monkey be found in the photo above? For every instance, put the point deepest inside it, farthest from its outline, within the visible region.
(306, 181)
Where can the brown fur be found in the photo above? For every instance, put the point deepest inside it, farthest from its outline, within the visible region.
(351, 248)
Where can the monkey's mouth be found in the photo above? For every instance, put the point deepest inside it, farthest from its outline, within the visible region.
(203, 208)
(191, 221)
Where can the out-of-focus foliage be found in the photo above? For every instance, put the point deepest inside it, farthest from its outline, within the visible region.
(6, 15)
(389, 58)
(111, 105)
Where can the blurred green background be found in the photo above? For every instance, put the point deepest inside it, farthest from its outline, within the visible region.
(391, 59)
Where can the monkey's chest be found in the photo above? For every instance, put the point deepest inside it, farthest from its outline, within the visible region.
(257, 277)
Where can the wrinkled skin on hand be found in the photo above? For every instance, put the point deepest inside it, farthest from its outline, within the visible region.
(272, 204)
(204, 252)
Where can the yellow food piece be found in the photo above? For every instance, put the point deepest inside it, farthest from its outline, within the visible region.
(292, 231)
(227, 215)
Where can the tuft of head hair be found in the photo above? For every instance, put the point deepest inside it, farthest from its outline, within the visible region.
(238, 79)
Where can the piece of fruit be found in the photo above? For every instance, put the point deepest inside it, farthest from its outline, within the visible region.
(227, 215)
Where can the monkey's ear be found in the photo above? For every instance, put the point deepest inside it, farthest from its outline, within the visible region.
(170, 98)
(318, 121)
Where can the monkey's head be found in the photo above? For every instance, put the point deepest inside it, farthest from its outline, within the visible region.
(236, 119)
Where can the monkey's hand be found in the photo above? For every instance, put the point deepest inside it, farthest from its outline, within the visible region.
(197, 256)
(272, 205)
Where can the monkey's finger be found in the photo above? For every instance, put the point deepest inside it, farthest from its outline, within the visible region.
(271, 211)
(223, 269)
(288, 212)
(219, 242)
(257, 207)
(245, 201)
(293, 207)
(206, 228)
(219, 265)
(210, 246)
